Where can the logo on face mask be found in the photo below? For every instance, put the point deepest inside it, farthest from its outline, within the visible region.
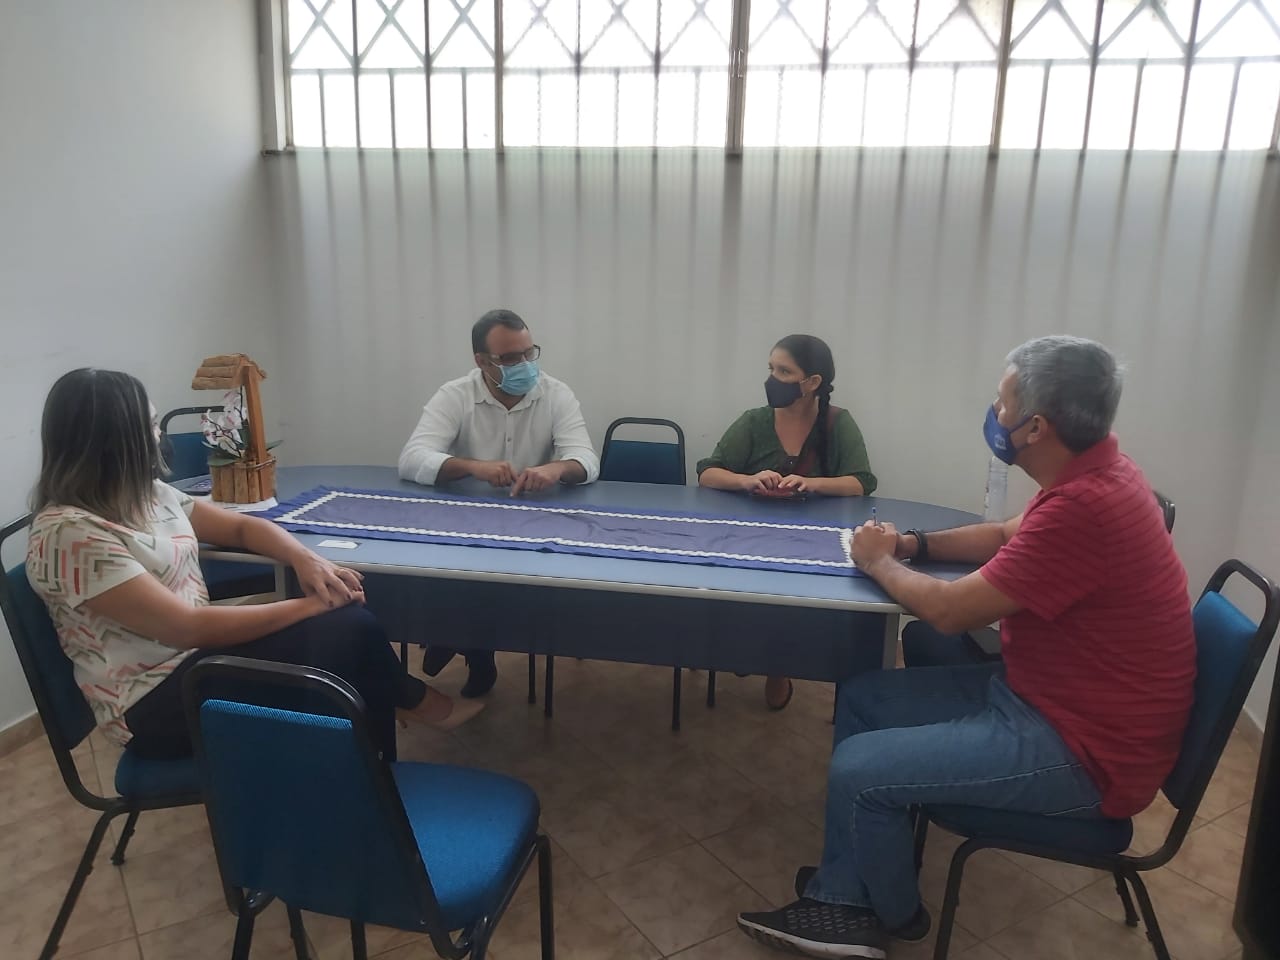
(780, 394)
(1000, 438)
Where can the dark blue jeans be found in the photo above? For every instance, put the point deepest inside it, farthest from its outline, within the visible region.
(931, 736)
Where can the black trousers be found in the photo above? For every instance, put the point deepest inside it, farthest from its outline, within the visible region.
(348, 642)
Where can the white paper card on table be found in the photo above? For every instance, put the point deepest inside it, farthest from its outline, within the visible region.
(266, 504)
(338, 544)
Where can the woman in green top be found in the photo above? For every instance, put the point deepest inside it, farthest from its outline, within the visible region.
(799, 443)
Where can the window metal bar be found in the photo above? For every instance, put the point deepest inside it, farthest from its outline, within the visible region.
(391, 91)
(738, 39)
(1137, 102)
(1002, 75)
(577, 80)
(912, 54)
(499, 79)
(355, 73)
(657, 66)
(1044, 103)
(324, 125)
(1275, 131)
(1231, 105)
(1186, 74)
(951, 107)
(466, 143)
(697, 103)
(426, 69)
(1094, 50)
(823, 63)
(617, 104)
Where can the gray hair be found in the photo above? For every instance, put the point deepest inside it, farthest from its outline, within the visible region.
(1073, 383)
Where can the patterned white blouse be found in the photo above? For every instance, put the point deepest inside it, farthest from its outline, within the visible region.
(73, 556)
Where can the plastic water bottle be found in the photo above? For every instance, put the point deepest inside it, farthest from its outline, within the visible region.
(997, 490)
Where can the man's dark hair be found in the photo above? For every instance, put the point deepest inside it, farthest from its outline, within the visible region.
(494, 318)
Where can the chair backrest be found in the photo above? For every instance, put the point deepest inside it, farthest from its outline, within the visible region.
(643, 461)
(300, 804)
(1167, 508)
(63, 710)
(1229, 650)
(185, 453)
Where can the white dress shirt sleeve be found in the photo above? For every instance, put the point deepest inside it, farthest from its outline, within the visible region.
(569, 434)
(433, 438)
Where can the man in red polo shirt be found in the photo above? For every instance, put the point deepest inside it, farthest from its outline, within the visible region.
(1085, 716)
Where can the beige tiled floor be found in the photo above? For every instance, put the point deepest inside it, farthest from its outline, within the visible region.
(658, 840)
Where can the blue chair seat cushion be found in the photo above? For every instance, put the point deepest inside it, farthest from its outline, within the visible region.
(473, 829)
(1068, 834)
(137, 778)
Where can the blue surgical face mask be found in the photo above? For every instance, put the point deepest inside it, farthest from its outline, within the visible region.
(1000, 438)
(519, 378)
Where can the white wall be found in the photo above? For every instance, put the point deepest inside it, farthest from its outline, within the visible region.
(1258, 530)
(657, 286)
(132, 200)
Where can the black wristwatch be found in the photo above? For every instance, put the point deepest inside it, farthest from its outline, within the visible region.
(922, 551)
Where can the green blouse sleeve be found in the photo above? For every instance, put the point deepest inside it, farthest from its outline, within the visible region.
(733, 452)
(850, 451)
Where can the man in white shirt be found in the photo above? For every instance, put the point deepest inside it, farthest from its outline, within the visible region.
(506, 423)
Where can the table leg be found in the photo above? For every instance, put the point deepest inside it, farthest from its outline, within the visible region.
(889, 656)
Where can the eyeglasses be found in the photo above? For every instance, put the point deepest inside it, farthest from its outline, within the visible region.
(511, 359)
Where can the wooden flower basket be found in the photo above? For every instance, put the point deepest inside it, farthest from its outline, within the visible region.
(242, 482)
(253, 477)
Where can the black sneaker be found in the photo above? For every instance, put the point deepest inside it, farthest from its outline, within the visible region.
(914, 930)
(818, 930)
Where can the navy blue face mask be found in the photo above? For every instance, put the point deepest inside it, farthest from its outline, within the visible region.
(780, 394)
(1000, 438)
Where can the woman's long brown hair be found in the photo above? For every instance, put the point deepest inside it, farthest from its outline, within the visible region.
(99, 447)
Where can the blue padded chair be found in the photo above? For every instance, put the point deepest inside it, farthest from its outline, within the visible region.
(643, 461)
(187, 457)
(1229, 650)
(302, 807)
(67, 719)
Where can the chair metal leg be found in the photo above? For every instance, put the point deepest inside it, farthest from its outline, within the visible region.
(404, 655)
(1122, 888)
(549, 683)
(244, 932)
(711, 688)
(546, 920)
(359, 949)
(77, 884)
(533, 678)
(1149, 916)
(117, 857)
(297, 933)
(952, 898)
(921, 835)
(675, 698)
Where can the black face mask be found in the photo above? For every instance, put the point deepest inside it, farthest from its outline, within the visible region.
(781, 394)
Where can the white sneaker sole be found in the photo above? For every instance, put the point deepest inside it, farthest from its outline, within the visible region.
(810, 948)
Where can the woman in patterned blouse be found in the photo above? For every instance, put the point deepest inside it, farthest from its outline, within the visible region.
(114, 554)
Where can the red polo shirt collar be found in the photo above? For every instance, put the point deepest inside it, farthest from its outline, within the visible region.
(1101, 454)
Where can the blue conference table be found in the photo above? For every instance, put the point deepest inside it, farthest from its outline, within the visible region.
(802, 625)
